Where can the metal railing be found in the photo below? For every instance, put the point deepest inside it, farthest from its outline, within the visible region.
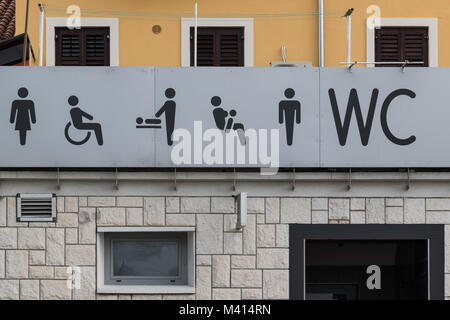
(403, 64)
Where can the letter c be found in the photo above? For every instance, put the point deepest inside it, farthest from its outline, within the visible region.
(384, 111)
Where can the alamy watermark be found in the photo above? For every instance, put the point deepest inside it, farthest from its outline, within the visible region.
(233, 147)
(74, 278)
(74, 21)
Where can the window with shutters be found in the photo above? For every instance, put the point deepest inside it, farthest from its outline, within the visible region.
(218, 46)
(396, 44)
(82, 47)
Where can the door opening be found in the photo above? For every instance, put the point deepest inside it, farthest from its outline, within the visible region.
(366, 270)
(366, 262)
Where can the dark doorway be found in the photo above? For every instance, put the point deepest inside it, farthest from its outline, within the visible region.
(339, 268)
(366, 262)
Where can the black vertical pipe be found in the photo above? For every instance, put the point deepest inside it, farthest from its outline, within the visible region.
(25, 41)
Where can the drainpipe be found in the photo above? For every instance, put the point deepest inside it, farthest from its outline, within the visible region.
(321, 36)
(196, 35)
(41, 34)
(348, 15)
(349, 38)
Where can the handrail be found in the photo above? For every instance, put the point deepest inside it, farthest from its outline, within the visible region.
(403, 64)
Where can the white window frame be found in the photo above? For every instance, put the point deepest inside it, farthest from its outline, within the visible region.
(145, 289)
(431, 23)
(187, 23)
(112, 23)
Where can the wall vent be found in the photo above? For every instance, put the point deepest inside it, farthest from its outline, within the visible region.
(36, 207)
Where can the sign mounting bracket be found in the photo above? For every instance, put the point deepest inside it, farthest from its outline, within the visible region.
(408, 185)
(116, 185)
(293, 180)
(349, 185)
(175, 187)
(58, 182)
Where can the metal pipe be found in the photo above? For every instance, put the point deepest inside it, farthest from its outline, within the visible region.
(25, 41)
(349, 39)
(403, 64)
(386, 62)
(321, 36)
(41, 34)
(195, 35)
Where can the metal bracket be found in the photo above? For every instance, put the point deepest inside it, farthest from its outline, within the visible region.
(349, 185)
(58, 184)
(349, 68)
(350, 65)
(116, 185)
(408, 185)
(404, 65)
(293, 180)
(175, 186)
(234, 179)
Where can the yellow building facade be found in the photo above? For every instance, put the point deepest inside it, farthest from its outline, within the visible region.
(122, 183)
(269, 26)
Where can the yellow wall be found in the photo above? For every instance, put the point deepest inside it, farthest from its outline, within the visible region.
(140, 47)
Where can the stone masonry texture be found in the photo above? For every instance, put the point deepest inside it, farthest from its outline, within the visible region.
(231, 263)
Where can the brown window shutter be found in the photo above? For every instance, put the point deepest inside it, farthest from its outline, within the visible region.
(415, 43)
(218, 47)
(397, 44)
(206, 47)
(231, 47)
(82, 47)
(68, 47)
(96, 46)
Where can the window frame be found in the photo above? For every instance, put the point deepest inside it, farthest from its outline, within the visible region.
(146, 288)
(177, 237)
(431, 23)
(83, 32)
(401, 31)
(53, 23)
(216, 31)
(187, 23)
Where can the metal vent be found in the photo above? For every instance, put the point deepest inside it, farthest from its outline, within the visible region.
(36, 207)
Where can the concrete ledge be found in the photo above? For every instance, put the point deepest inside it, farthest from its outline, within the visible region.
(146, 289)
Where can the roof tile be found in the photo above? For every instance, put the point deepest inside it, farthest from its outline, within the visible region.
(7, 19)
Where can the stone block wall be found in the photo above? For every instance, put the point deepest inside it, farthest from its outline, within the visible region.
(252, 263)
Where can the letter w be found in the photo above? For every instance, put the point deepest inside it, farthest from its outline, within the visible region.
(353, 103)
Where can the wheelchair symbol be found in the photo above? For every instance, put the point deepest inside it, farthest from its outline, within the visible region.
(74, 142)
(79, 123)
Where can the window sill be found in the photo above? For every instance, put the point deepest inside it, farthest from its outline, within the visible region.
(112, 289)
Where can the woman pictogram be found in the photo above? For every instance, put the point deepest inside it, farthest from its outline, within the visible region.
(23, 114)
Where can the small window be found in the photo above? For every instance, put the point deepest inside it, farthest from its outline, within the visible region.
(146, 258)
(400, 44)
(82, 47)
(36, 208)
(218, 46)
